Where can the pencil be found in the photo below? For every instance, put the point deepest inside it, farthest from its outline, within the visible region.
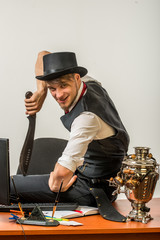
(19, 204)
(58, 219)
(57, 199)
(15, 211)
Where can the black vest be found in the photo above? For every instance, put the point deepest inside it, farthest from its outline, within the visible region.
(103, 157)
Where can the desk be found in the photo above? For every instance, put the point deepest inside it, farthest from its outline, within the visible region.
(94, 228)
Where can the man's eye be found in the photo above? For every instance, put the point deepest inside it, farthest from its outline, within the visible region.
(52, 89)
(63, 85)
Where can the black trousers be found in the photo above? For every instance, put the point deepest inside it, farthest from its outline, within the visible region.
(34, 188)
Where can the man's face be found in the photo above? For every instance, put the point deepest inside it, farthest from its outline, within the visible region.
(65, 89)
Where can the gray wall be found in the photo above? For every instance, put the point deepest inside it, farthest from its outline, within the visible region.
(116, 40)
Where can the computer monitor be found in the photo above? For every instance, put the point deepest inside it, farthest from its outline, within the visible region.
(4, 172)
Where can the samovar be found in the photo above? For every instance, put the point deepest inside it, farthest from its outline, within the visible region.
(137, 178)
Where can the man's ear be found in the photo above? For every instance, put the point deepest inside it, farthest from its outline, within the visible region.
(78, 78)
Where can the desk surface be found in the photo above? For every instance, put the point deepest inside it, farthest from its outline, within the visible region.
(94, 227)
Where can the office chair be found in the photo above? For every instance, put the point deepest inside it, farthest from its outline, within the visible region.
(45, 154)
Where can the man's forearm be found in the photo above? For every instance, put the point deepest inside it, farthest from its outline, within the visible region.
(61, 173)
(41, 87)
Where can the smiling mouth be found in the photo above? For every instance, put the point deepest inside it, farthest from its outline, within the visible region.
(62, 100)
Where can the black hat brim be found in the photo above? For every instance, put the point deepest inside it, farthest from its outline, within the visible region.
(51, 76)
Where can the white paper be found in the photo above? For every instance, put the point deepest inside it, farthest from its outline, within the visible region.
(57, 214)
(70, 223)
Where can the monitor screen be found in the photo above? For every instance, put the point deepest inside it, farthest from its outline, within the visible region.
(4, 172)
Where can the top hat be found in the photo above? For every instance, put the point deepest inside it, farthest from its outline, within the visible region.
(58, 64)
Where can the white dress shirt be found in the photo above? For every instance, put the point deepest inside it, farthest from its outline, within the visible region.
(84, 129)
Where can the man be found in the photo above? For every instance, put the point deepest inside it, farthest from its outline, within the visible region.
(98, 140)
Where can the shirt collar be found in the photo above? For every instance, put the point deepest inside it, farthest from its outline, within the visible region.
(77, 97)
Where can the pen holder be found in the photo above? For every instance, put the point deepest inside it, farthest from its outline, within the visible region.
(37, 218)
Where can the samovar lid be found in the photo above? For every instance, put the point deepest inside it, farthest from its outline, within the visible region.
(141, 158)
(141, 152)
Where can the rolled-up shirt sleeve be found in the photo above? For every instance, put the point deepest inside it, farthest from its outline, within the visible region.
(85, 128)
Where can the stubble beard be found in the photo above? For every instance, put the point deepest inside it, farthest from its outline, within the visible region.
(67, 108)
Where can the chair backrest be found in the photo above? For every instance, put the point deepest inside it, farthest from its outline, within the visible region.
(45, 154)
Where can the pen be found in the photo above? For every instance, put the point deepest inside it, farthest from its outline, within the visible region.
(14, 211)
(58, 219)
(19, 204)
(57, 199)
(14, 217)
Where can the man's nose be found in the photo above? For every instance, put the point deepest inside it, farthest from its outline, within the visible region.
(59, 93)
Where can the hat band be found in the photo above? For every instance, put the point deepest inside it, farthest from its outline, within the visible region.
(57, 70)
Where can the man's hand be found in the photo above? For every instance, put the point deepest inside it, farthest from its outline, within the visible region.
(34, 104)
(56, 177)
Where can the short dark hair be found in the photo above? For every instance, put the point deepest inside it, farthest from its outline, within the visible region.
(68, 77)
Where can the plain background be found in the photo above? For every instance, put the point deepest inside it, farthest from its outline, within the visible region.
(118, 41)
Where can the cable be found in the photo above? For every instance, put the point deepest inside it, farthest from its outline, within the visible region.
(25, 237)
